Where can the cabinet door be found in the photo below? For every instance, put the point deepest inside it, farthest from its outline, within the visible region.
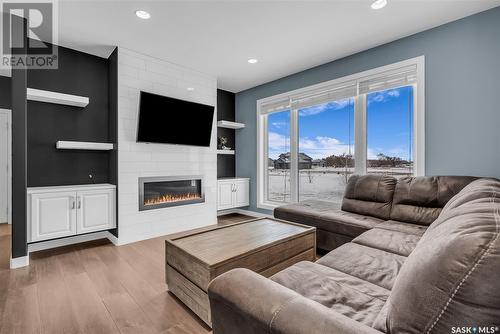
(96, 210)
(224, 195)
(52, 215)
(242, 193)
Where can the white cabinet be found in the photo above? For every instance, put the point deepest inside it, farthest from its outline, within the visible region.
(53, 215)
(241, 192)
(55, 212)
(95, 210)
(233, 193)
(224, 195)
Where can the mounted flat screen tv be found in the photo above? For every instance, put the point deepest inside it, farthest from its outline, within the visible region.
(167, 120)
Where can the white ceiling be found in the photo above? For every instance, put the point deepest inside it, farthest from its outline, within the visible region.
(217, 37)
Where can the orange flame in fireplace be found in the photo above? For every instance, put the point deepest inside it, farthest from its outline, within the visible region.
(171, 198)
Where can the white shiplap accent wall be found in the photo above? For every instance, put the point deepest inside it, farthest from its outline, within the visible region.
(138, 72)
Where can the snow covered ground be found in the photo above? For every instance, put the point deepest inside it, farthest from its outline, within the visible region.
(325, 183)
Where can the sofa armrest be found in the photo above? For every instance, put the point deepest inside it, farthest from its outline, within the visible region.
(244, 302)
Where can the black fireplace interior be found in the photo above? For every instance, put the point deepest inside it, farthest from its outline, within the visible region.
(159, 194)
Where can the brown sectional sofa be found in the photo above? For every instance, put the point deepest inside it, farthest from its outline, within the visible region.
(426, 259)
(376, 201)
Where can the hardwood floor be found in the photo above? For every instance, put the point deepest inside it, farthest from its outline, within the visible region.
(94, 287)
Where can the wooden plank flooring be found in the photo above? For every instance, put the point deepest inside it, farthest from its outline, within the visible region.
(92, 288)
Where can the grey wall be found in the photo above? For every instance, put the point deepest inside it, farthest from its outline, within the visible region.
(462, 95)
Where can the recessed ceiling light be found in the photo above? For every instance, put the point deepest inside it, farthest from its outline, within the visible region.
(379, 4)
(190, 89)
(252, 60)
(142, 14)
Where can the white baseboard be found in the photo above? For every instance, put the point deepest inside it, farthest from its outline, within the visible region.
(244, 212)
(253, 213)
(226, 212)
(19, 262)
(113, 239)
(43, 245)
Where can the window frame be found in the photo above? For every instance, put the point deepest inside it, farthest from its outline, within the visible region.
(360, 127)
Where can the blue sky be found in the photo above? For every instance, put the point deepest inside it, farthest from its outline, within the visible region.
(329, 129)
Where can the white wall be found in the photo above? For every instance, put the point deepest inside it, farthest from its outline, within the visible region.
(138, 72)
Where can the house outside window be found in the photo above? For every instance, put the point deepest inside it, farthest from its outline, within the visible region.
(311, 140)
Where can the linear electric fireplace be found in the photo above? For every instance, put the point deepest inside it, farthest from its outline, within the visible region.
(162, 192)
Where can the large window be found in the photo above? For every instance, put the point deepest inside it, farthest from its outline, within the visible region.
(278, 171)
(326, 147)
(390, 132)
(310, 141)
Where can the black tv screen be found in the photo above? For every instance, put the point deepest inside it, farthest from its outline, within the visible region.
(171, 121)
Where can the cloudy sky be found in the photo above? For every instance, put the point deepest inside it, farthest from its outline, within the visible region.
(329, 128)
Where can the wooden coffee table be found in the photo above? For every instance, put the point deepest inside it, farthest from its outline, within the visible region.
(264, 245)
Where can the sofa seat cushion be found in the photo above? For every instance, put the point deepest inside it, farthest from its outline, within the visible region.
(326, 216)
(370, 264)
(390, 241)
(343, 293)
(305, 212)
(394, 225)
(346, 223)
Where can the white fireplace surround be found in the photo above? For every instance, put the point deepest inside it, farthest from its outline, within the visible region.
(138, 72)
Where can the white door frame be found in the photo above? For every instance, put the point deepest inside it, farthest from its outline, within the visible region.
(9, 163)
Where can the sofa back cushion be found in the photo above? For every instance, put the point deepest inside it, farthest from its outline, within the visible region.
(369, 195)
(451, 277)
(419, 200)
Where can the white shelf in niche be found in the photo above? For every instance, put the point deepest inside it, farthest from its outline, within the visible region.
(230, 125)
(57, 98)
(83, 145)
(231, 152)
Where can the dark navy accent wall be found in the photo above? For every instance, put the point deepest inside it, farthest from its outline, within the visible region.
(79, 74)
(37, 126)
(19, 112)
(462, 95)
(5, 93)
(113, 125)
(226, 112)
